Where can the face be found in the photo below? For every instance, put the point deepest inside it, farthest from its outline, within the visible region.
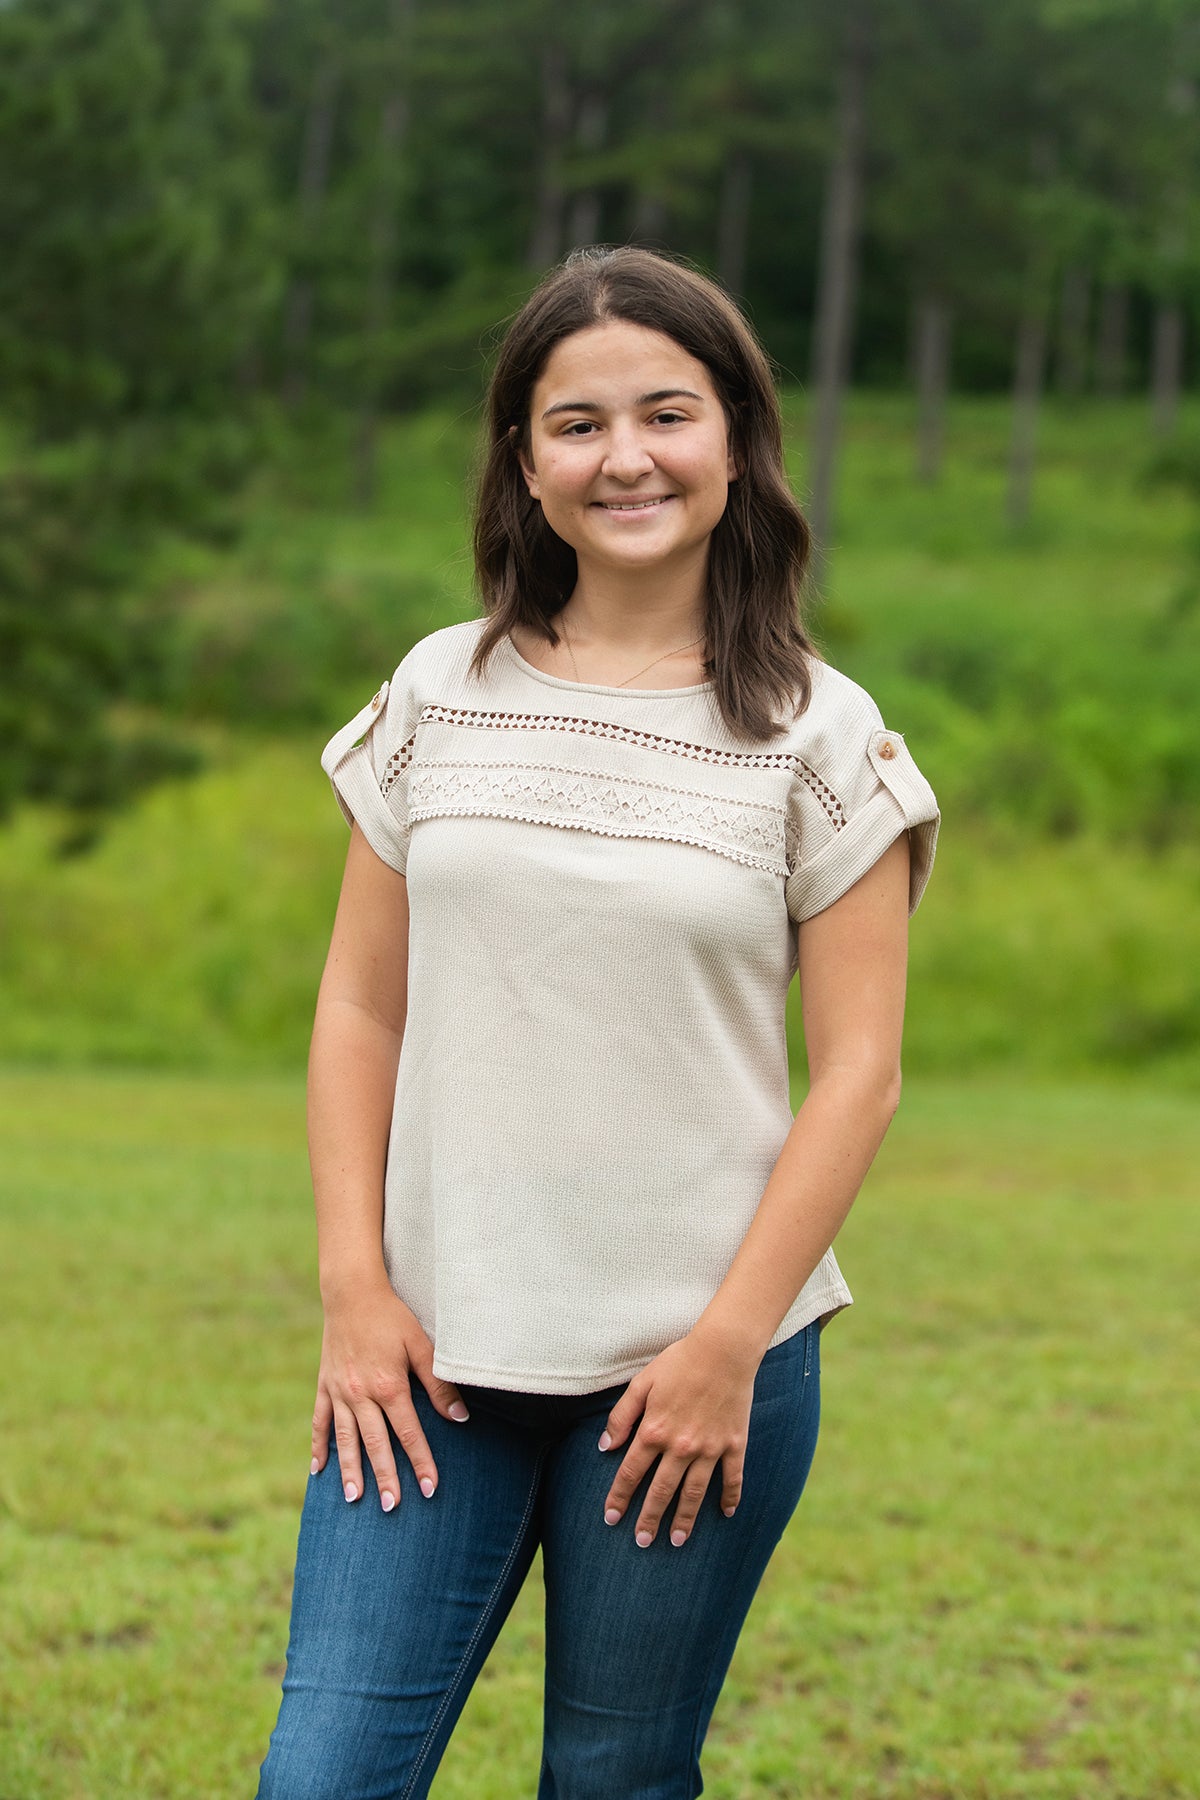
(629, 449)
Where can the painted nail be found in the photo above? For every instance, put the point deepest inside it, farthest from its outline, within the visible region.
(612, 1516)
(678, 1537)
(314, 1467)
(387, 1502)
(351, 1491)
(458, 1411)
(643, 1540)
(605, 1441)
(426, 1487)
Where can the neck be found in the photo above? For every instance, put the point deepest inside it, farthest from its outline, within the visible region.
(636, 611)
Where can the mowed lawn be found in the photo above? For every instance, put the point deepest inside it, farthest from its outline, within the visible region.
(991, 1589)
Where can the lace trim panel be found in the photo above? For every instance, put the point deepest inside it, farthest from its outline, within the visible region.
(611, 805)
(477, 719)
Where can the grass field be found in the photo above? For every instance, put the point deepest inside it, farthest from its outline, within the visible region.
(990, 1591)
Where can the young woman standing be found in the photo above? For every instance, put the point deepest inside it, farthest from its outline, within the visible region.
(574, 1249)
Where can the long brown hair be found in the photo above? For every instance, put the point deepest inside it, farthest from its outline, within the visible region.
(758, 650)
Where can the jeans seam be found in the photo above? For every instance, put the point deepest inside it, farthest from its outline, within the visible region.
(488, 1609)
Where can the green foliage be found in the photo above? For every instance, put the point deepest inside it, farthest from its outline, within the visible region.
(985, 1592)
(140, 261)
(1031, 675)
(142, 251)
(203, 205)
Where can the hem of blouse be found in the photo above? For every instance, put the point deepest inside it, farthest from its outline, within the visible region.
(824, 1307)
(597, 687)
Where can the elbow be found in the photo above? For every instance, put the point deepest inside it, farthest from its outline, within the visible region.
(882, 1083)
(870, 1087)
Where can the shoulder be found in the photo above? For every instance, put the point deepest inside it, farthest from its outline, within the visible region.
(837, 722)
(445, 652)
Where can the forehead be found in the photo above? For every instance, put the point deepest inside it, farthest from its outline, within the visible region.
(616, 360)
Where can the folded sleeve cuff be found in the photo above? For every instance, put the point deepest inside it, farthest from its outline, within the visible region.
(347, 760)
(902, 800)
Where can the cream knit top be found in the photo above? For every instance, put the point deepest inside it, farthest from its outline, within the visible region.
(604, 886)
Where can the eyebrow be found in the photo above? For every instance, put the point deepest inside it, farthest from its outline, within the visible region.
(653, 399)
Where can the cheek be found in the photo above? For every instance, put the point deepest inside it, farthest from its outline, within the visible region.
(563, 479)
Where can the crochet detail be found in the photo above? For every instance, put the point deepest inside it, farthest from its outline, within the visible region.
(477, 719)
(611, 805)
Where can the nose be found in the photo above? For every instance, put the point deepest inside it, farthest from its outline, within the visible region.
(627, 456)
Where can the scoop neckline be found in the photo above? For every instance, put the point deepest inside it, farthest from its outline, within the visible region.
(597, 687)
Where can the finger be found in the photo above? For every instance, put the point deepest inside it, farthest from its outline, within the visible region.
(345, 1431)
(373, 1430)
(671, 1471)
(695, 1486)
(407, 1428)
(444, 1395)
(732, 1466)
(625, 1414)
(628, 1478)
(322, 1420)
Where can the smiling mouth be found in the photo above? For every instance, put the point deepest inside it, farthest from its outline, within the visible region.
(634, 505)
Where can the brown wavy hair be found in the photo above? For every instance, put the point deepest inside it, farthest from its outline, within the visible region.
(758, 650)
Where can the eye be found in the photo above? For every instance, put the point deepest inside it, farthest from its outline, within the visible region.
(669, 417)
(579, 428)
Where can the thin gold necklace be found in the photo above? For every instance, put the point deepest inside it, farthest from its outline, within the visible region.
(636, 672)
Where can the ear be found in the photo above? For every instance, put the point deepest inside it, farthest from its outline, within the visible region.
(731, 469)
(527, 468)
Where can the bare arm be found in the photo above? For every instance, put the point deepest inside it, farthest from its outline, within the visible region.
(371, 1339)
(694, 1399)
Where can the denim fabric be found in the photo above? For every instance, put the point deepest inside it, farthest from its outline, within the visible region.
(394, 1614)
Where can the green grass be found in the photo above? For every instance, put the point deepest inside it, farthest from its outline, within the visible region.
(988, 1593)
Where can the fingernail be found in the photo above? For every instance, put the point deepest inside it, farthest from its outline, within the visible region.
(605, 1441)
(678, 1537)
(612, 1516)
(387, 1502)
(458, 1411)
(729, 1511)
(351, 1491)
(643, 1540)
(426, 1487)
(314, 1467)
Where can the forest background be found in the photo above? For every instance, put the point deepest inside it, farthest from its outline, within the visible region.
(254, 255)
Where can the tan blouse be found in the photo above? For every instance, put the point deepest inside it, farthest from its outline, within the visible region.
(604, 886)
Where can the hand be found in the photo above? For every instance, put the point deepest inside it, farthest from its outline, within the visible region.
(371, 1342)
(694, 1403)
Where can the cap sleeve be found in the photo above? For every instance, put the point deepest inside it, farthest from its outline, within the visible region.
(367, 762)
(842, 817)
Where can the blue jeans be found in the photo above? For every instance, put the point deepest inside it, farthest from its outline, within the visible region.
(393, 1614)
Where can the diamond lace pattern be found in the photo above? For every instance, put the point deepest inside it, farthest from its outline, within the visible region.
(613, 805)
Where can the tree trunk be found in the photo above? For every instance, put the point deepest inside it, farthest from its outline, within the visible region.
(591, 128)
(1074, 308)
(393, 124)
(1027, 393)
(1166, 367)
(1166, 358)
(931, 367)
(314, 180)
(836, 283)
(733, 222)
(1111, 337)
(545, 238)
(1029, 373)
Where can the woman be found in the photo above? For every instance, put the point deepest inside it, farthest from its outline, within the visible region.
(574, 1251)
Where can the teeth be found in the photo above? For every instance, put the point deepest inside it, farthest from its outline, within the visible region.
(631, 505)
